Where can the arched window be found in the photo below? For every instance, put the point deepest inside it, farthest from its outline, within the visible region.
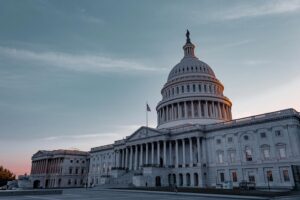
(281, 150)
(248, 154)
(265, 150)
(220, 157)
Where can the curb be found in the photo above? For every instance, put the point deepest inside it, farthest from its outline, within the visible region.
(192, 194)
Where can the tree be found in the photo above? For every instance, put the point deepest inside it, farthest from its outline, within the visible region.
(5, 175)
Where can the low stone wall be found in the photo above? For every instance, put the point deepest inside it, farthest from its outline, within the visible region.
(29, 192)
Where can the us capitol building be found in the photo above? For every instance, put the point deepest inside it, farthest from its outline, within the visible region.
(197, 143)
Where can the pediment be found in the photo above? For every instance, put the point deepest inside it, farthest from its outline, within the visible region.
(143, 132)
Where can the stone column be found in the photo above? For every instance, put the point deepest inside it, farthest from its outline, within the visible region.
(185, 110)
(131, 158)
(141, 155)
(179, 111)
(198, 151)
(136, 158)
(192, 107)
(176, 153)
(219, 109)
(172, 112)
(206, 109)
(126, 158)
(147, 160)
(170, 153)
(200, 110)
(152, 153)
(191, 152)
(183, 153)
(158, 152)
(165, 153)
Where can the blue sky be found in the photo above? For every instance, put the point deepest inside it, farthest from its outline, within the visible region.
(77, 74)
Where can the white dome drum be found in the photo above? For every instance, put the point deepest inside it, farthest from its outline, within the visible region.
(192, 94)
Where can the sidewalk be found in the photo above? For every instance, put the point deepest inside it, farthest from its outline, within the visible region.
(190, 194)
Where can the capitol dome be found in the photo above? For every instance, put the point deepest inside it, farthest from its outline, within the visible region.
(192, 94)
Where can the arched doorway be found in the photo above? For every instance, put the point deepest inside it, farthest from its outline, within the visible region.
(180, 180)
(161, 162)
(47, 183)
(196, 179)
(157, 181)
(36, 184)
(59, 182)
(174, 179)
(188, 179)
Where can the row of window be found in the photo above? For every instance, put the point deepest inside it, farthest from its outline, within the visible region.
(201, 68)
(102, 157)
(277, 133)
(77, 161)
(265, 152)
(251, 176)
(207, 88)
(76, 171)
(76, 182)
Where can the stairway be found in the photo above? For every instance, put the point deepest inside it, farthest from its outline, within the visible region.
(123, 181)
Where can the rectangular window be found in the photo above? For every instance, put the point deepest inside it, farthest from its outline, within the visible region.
(278, 133)
(269, 176)
(194, 88)
(286, 176)
(222, 177)
(248, 155)
(266, 154)
(282, 153)
(204, 88)
(220, 157)
(199, 87)
(232, 156)
(70, 170)
(188, 88)
(182, 89)
(234, 177)
(229, 139)
(263, 135)
(251, 177)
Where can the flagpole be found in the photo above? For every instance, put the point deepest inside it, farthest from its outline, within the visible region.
(146, 115)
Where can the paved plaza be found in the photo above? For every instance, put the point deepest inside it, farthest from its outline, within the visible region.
(82, 194)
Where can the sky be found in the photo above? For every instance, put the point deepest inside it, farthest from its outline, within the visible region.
(77, 74)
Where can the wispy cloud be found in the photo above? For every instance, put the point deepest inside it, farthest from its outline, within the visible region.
(76, 62)
(255, 10)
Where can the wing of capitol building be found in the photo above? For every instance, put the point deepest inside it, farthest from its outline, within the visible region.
(197, 143)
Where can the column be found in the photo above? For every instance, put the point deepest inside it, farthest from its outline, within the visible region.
(192, 107)
(219, 109)
(199, 109)
(198, 151)
(136, 157)
(191, 153)
(176, 153)
(170, 153)
(141, 155)
(165, 153)
(185, 110)
(179, 111)
(126, 158)
(158, 152)
(130, 158)
(152, 153)
(183, 153)
(147, 160)
(172, 112)
(206, 109)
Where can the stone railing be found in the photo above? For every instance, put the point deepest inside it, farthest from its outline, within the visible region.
(251, 119)
(109, 146)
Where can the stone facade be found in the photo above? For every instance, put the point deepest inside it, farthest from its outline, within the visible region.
(196, 142)
(59, 169)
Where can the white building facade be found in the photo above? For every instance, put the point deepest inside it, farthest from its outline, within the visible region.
(59, 169)
(198, 144)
